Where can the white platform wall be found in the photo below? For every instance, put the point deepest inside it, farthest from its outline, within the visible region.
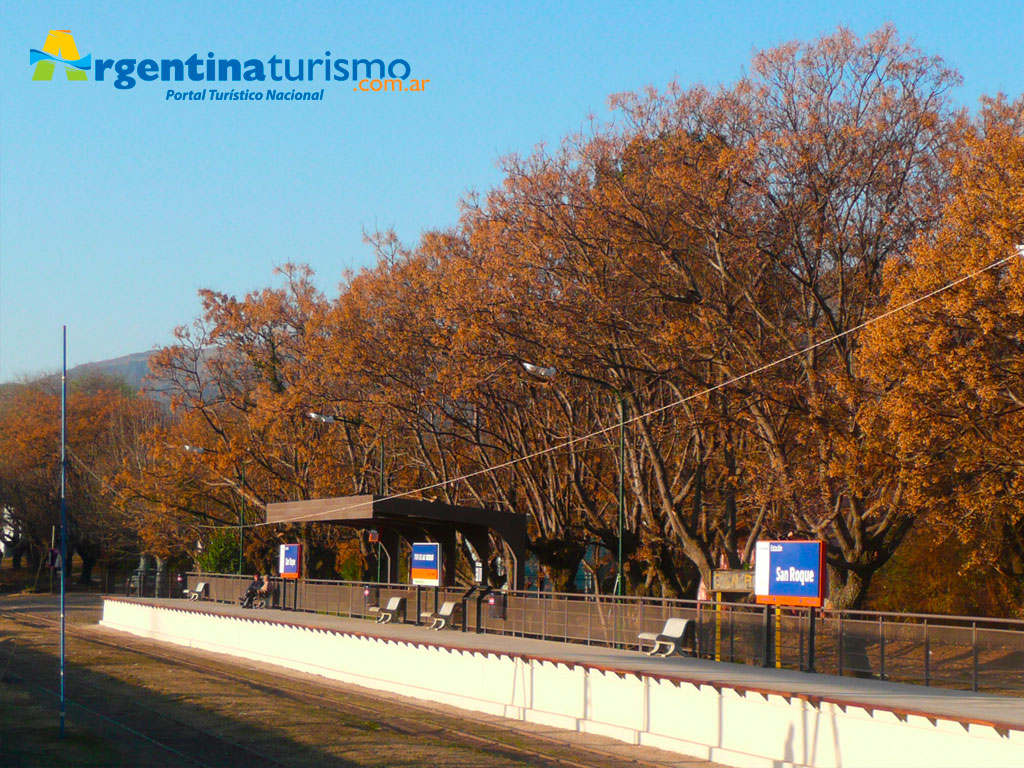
(714, 723)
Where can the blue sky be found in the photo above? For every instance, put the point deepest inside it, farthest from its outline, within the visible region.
(116, 206)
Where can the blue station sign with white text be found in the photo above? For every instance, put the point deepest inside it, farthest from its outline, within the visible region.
(790, 573)
(289, 560)
(426, 564)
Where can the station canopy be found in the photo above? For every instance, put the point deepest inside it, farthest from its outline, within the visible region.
(413, 520)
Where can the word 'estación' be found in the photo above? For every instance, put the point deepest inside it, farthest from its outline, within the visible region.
(275, 68)
(214, 94)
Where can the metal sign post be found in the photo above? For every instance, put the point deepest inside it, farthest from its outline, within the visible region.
(790, 573)
(728, 581)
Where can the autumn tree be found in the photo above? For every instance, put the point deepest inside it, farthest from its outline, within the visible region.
(99, 411)
(710, 233)
(698, 269)
(948, 370)
(239, 436)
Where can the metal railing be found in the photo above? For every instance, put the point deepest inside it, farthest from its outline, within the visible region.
(147, 582)
(950, 651)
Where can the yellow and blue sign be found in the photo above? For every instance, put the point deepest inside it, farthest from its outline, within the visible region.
(790, 573)
(426, 564)
(289, 561)
(59, 48)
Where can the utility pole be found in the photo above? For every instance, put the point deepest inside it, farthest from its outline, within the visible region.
(622, 487)
(241, 520)
(382, 487)
(383, 490)
(63, 517)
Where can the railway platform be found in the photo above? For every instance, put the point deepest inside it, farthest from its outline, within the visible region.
(731, 713)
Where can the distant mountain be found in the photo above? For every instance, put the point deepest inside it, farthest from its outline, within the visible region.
(131, 368)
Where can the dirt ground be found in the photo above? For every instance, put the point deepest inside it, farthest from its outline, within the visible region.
(139, 703)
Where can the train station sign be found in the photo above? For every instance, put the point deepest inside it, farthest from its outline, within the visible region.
(790, 573)
(426, 564)
(289, 560)
(732, 581)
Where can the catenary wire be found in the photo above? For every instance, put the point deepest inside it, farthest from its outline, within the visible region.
(633, 419)
(674, 404)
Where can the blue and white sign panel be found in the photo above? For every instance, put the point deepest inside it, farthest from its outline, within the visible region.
(289, 559)
(790, 572)
(426, 564)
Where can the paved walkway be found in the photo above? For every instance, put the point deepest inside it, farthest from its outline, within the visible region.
(1004, 712)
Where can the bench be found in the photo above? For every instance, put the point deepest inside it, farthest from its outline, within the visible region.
(199, 591)
(444, 617)
(395, 606)
(669, 640)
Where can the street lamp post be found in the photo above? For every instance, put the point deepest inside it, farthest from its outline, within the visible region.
(241, 512)
(549, 373)
(622, 487)
(327, 419)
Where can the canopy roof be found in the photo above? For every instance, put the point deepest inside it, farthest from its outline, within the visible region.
(401, 514)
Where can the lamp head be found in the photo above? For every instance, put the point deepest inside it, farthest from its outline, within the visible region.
(320, 417)
(539, 371)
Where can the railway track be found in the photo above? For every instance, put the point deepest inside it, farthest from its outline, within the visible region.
(502, 741)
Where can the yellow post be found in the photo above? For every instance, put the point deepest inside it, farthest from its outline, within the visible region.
(718, 626)
(778, 637)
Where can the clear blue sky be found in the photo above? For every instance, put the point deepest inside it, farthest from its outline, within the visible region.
(116, 206)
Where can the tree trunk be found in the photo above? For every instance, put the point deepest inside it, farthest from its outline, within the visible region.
(847, 588)
(669, 576)
(69, 560)
(88, 561)
(18, 553)
(561, 560)
(89, 551)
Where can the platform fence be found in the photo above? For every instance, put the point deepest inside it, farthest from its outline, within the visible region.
(962, 652)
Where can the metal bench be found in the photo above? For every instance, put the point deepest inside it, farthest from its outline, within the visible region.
(387, 614)
(669, 640)
(198, 592)
(444, 617)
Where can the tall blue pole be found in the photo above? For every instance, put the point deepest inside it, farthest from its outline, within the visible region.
(63, 513)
